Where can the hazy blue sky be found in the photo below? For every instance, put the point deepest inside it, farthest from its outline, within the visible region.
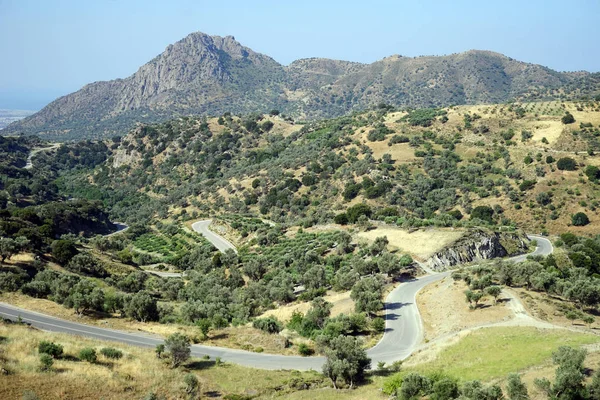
(50, 48)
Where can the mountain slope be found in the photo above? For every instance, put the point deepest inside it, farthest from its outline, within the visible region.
(204, 74)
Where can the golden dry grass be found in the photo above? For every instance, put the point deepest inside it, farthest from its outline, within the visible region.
(242, 337)
(342, 304)
(132, 377)
(444, 310)
(420, 244)
(401, 152)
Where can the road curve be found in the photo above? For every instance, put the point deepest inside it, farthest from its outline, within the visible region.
(121, 227)
(544, 248)
(219, 242)
(403, 329)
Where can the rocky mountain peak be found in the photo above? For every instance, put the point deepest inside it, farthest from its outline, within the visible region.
(203, 74)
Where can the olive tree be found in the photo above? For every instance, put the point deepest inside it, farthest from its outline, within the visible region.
(179, 348)
(346, 360)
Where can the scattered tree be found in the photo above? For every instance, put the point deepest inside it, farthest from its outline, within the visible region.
(346, 360)
(179, 348)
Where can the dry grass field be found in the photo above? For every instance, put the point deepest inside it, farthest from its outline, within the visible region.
(243, 337)
(444, 309)
(420, 244)
(342, 304)
(134, 376)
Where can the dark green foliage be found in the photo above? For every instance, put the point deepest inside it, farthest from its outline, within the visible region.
(566, 164)
(580, 219)
(414, 386)
(142, 307)
(46, 362)
(526, 185)
(204, 324)
(378, 324)
(63, 251)
(379, 133)
(305, 350)
(423, 117)
(356, 211)
(593, 173)
(444, 389)
(456, 214)
(515, 388)
(398, 139)
(569, 380)
(86, 264)
(568, 118)
(544, 198)
(484, 213)
(341, 219)
(367, 294)
(351, 190)
(191, 385)
(111, 352)
(88, 354)
(267, 126)
(52, 349)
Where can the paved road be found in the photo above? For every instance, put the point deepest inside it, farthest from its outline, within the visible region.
(33, 152)
(544, 247)
(403, 328)
(121, 227)
(219, 242)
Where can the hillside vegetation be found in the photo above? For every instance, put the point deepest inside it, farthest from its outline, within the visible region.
(511, 165)
(322, 213)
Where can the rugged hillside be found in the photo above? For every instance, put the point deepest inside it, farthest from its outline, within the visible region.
(479, 244)
(462, 166)
(199, 74)
(204, 74)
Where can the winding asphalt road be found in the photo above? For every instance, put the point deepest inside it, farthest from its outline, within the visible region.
(403, 330)
(219, 242)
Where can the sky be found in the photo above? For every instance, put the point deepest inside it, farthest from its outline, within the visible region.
(49, 48)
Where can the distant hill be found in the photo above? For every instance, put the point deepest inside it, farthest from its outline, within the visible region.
(204, 74)
(9, 116)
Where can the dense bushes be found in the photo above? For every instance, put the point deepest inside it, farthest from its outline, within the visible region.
(580, 219)
(269, 324)
(566, 164)
(484, 213)
(52, 349)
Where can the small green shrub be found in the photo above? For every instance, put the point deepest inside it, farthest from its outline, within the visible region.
(305, 350)
(52, 349)
(112, 353)
(46, 362)
(88, 354)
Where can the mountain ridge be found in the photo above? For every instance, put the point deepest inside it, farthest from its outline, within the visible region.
(203, 74)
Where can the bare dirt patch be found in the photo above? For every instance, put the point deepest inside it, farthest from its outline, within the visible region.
(551, 309)
(420, 244)
(342, 304)
(400, 152)
(444, 309)
(551, 130)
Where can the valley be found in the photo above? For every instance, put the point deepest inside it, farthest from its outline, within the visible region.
(266, 241)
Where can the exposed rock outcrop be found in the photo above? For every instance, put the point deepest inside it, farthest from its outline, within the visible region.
(478, 244)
